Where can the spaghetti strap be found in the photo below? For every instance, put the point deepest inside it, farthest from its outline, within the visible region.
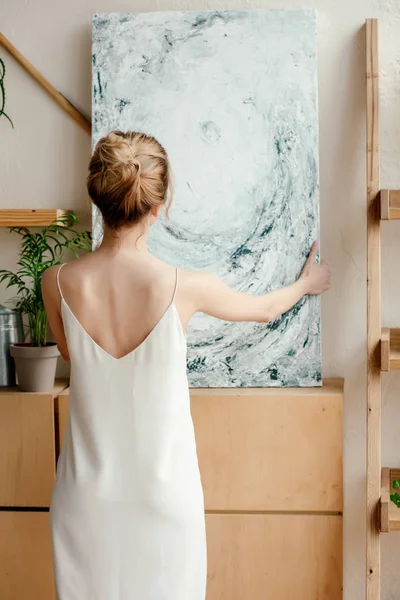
(58, 279)
(176, 285)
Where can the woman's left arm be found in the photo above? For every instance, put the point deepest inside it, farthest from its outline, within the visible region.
(51, 300)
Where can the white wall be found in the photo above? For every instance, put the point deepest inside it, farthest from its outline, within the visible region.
(44, 160)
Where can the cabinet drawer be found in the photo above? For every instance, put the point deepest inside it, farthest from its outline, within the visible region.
(277, 557)
(26, 567)
(27, 453)
(271, 450)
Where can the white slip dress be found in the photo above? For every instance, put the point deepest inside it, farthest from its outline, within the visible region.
(127, 509)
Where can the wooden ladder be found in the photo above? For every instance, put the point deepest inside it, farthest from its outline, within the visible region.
(383, 345)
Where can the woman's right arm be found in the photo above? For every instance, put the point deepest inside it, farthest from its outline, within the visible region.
(209, 294)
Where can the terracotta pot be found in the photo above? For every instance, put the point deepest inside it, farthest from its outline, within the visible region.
(35, 366)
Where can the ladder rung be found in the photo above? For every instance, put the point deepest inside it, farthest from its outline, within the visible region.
(389, 512)
(390, 349)
(390, 204)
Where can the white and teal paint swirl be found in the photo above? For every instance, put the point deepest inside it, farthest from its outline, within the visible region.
(232, 95)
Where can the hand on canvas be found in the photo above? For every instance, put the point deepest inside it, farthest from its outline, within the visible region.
(214, 297)
(317, 277)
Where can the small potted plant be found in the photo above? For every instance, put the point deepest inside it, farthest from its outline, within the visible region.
(36, 360)
(395, 496)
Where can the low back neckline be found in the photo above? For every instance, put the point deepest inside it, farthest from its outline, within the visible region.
(171, 307)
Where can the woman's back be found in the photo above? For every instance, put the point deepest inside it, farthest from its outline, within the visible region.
(118, 301)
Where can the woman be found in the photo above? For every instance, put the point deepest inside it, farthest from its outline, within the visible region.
(127, 513)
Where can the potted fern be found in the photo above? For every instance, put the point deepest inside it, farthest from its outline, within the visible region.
(36, 360)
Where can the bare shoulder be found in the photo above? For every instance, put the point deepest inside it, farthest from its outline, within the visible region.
(50, 273)
(49, 278)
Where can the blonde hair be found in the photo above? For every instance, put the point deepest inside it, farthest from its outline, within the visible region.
(129, 174)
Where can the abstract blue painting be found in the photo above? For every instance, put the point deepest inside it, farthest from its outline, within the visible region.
(232, 95)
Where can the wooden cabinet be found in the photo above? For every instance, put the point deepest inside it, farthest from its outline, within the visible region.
(271, 466)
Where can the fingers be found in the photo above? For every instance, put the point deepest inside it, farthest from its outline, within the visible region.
(313, 252)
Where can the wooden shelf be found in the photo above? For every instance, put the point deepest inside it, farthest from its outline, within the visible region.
(390, 349)
(389, 514)
(60, 384)
(390, 204)
(329, 387)
(30, 217)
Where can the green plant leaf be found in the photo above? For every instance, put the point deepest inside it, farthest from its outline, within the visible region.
(38, 252)
(3, 92)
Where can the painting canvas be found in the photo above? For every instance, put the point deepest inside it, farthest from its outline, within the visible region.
(232, 96)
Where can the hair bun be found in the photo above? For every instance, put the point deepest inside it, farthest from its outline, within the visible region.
(136, 163)
(129, 174)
